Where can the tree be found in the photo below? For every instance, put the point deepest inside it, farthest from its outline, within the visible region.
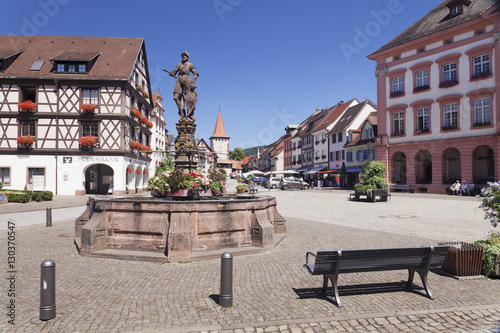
(238, 154)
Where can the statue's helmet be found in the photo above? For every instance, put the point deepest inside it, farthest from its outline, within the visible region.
(185, 53)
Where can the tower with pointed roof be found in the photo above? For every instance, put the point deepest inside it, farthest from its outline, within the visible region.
(219, 141)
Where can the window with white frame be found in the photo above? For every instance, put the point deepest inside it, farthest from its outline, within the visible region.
(371, 154)
(90, 96)
(482, 111)
(349, 156)
(332, 156)
(90, 129)
(28, 128)
(450, 115)
(367, 133)
(35, 172)
(450, 72)
(359, 155)
(423, 119)
(398, 123)
(323, 153)
(397, 84)
(422, 78)
(5, 176)
(482, 64)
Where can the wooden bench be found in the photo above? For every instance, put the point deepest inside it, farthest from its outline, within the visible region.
(415, 259)
(252, 189)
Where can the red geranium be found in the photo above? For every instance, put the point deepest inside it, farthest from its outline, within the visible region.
(26, 140)
(135, 113)
(138, 171)
(88, 141)
(27, 105)
(143, 120)
(89, 108)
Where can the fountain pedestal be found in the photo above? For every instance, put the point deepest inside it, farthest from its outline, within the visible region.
(185, 146)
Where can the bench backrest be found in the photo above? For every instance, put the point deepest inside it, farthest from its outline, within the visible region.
(365, 260)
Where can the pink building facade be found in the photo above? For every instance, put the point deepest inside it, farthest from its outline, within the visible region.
(438, 98)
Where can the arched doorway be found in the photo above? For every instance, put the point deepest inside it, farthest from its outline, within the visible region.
(453, 166)
(130, 178)
(424, 174)
(98, 178)
(399, 176)
(485, 165)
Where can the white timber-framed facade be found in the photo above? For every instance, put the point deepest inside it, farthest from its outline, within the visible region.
(61, 75)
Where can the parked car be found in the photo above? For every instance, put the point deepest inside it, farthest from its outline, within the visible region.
(273, 182)
(293, 183)
(259, 180)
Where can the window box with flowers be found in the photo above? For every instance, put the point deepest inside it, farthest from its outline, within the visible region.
(88, 108)
(486, 123)
(26, 141)
(26, 106)
(135, 113)
(135, 145)
(293, 162)
(293, 148)
(145, 94)
(139, 88)
(481, 75)
(149, 124)
(316, 158)
(421, 131)
(323, 156)
(323, 140)
(448, 83)
(400, 133)
(138, 171)
(317, 142)
(395, 94)
(143, 120)
(87, 141)
(449, 128)
(129, 170)
(421, 88)
(299, 162)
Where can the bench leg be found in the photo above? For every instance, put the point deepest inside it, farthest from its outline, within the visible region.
(333, 279)
(423, 276)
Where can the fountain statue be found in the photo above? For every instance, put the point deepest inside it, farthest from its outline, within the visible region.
(161, 228)
(185, 97)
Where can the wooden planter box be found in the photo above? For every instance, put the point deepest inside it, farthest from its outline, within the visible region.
(463, 259)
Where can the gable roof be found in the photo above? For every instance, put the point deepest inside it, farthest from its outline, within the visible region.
(246, 159)
(372, 119)
(333, 113)
(219, 131)
(349, 116)
(114, 57)
(438, 19)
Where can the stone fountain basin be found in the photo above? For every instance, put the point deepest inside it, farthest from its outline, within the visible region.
(175, 230)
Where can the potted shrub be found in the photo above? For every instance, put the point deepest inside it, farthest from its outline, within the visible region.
(88, 108)
(490, 202)
(241, 188)
(372, 179)
(26, 106)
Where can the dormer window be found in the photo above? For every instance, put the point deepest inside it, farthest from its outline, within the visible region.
(457, 10)
(7, 57)
(74, 62)
(457, 7)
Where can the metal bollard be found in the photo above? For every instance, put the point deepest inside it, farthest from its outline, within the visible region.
(226, 280)
(48, 290)
(91, 207)
(48, 214)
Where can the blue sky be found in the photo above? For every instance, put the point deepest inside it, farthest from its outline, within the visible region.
(266, 63)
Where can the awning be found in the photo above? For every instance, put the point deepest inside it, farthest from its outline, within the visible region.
(292, 169)
(314, 170)
(303, 169)
(357, 169)
(329, 171)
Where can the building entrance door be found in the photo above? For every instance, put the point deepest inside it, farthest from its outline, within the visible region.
(98, 178)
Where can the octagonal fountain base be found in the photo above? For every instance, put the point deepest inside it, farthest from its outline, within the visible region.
(162, 229)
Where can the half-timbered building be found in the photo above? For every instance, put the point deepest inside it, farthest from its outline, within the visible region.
(88, 128)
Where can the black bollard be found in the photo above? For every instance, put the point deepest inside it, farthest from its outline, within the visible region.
(48, 290)
(48, 214)
(226, 280)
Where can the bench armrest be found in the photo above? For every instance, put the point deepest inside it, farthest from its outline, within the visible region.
(307, 257)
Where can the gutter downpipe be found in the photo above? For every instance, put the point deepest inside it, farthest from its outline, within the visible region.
(57, 129)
